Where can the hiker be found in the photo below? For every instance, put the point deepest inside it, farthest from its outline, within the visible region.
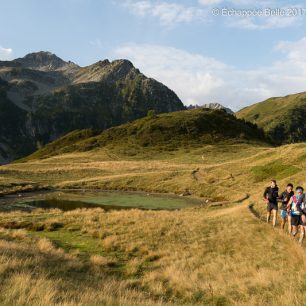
(295, 210)
(284, 200)
(302, 209)
(270, 197)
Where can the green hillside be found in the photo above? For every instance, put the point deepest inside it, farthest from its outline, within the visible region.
(282, 118)
(163, 132)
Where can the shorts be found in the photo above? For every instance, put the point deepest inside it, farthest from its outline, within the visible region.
(301, 222)
(283, 214)
(295, 220)
(271, 206)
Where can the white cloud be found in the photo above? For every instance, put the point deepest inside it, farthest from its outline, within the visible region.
(268, 21)
(6, 54)
(209, 2)
(168, 13)
(296, 51)
(191, 76)
(198, 79)
(252, 3)
(242, 3)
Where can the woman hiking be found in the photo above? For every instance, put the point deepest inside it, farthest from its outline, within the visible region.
(295, 209)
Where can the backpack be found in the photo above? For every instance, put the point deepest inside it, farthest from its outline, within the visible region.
(294, 204)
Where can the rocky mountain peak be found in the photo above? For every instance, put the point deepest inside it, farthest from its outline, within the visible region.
(107, 71)
(217, 106)
(43, 60)
(212, 106)
(49, 97)
(123, 63)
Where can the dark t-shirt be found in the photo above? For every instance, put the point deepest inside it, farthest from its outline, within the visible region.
(285, 198)
(271, 194)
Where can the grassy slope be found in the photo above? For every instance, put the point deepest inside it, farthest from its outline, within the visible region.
(283, 118)
(160, 133)
(222, 168)
(198, 257)
(194, 256)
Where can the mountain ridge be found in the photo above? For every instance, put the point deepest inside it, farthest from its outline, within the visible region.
(43, 60)
(56, 96)
(155, 133)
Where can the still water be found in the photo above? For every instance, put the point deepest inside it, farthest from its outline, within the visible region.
(70, 200)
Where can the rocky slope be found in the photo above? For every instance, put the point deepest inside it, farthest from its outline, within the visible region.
(43, 97)
(218, 106)
(212, 106)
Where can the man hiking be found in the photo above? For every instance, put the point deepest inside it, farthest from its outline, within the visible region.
(270, 197)
(284, 200)
(295, 210)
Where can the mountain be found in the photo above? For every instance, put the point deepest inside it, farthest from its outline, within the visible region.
(282, 118)
(218, 106)
(43, 97)
(43, 61)
(13, 141)
(163, 132)
(212, 106)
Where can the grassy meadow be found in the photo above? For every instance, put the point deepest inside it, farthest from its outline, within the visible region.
(206, 255)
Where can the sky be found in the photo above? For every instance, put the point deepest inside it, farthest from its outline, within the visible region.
(234, 52)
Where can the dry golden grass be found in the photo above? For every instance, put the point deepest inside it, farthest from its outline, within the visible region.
(197, 256)
(222, 168)
(218, 166)
(98, 260)
(42, 275)
(193, 256)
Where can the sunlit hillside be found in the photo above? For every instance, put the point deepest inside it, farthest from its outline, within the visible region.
(214, 254)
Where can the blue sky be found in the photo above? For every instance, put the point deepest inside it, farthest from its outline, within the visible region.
(192, 46)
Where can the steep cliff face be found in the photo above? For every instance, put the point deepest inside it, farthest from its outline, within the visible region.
(44, 97)
(14, 137)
